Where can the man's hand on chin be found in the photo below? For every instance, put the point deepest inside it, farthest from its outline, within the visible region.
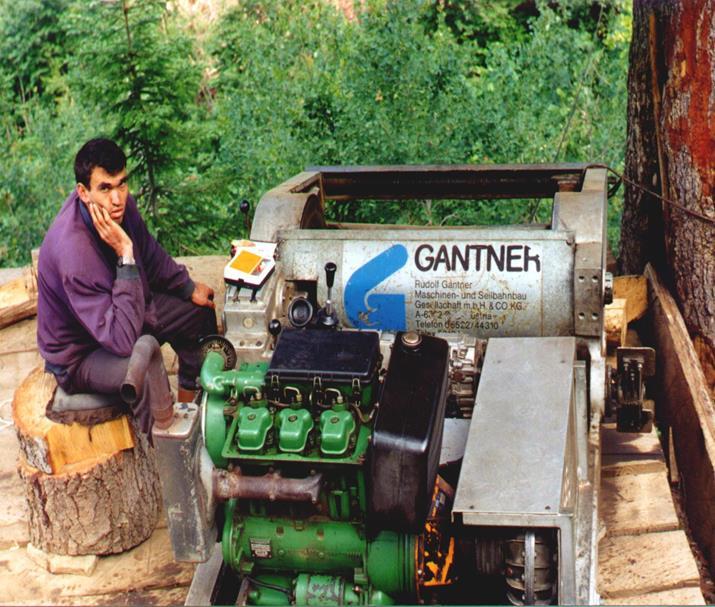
(111, 232)
(203, 295)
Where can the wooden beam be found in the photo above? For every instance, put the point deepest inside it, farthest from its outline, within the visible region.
(635, 290)
(683, 404)
(616, 323)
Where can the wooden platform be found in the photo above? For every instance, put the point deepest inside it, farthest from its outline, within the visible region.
(146, 575)
(644, 556)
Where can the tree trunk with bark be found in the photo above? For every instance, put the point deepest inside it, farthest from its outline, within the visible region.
(90, 489)
(671, 150)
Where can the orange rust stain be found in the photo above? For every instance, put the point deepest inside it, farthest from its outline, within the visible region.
(694, 56)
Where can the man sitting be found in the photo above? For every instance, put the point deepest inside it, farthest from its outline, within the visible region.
(103, 281)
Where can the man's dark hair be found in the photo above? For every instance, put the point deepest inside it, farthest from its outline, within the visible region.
(98, 153)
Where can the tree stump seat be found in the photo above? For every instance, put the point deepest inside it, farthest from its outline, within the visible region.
(91, 488)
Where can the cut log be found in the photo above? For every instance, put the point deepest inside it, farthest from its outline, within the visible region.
(56, 448)
(616, 323)
(107, 508)
(634, 289)
(89, 489)
(18, 298)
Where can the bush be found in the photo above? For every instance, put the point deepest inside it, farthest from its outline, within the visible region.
(282, 85)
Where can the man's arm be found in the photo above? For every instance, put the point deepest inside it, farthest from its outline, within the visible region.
(112, 314)
(164, 274)
(113, 317)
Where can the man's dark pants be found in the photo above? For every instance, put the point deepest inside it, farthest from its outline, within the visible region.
(180, 322)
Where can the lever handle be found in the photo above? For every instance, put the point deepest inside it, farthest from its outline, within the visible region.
(274, 327)
(245, 207)
(330, 269)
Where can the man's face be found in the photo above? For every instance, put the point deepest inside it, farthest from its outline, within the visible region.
(106, 191)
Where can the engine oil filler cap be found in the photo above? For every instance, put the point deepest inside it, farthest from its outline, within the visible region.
(411, 339)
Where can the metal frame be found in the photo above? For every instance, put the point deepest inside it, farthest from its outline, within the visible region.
(294, 211)
(292, 214)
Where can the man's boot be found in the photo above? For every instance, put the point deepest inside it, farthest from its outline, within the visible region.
(185, 395)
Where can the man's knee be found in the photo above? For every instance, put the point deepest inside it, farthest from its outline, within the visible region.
(208, 321)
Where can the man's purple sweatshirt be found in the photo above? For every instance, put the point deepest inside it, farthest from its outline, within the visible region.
(85, 301)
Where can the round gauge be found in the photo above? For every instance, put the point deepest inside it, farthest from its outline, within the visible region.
(217, 343)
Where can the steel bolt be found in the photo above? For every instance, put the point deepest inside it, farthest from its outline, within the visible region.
(411, 339)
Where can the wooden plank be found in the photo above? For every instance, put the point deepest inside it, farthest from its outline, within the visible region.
(19, 337)
(615, 323)
(13, 508)
(62, 563)
(635, 290)
(8, 274)
(14, 530)
(684, 404)
(616, 465)
(171, 360)
(631, 565)
(629, 443)
(637, 503)
(678, 596)
(630, 452)
(148, 598)
(148, 566)
(14, 368)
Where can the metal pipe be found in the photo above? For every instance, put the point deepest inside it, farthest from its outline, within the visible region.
(146, 366)
(271, 486)
(218, 382)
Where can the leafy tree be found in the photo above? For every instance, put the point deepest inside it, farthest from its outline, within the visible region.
(288, 84)
(33, 46)
(133, 63)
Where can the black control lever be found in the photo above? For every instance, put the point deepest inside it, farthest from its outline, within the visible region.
(274, 328)
(328, 317)
(245, 207)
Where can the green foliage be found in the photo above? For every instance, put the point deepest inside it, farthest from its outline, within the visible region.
(280, 85)
(33, 46)
(133, 63)
(36, 175)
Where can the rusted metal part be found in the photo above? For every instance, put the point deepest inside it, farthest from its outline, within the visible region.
(146, 372)
(447, 182)
(272, 486)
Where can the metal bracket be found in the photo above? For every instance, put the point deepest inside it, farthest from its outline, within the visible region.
(628, 389)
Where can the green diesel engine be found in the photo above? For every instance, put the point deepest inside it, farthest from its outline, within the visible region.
(328, 464)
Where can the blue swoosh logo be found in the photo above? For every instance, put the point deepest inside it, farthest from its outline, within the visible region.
(379, 310)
